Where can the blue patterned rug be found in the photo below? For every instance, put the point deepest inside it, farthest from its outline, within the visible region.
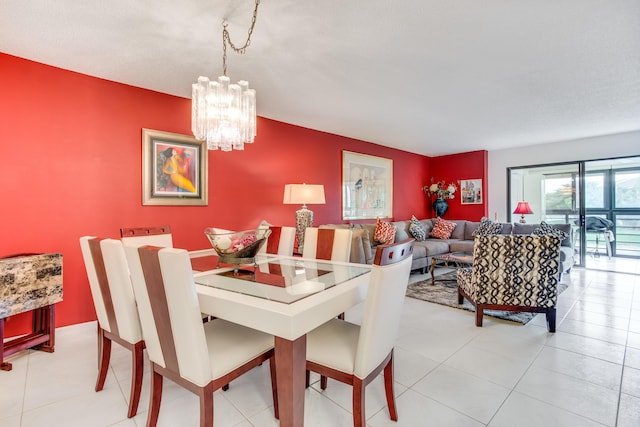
(445, 292)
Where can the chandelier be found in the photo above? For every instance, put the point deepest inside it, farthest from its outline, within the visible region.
(222, 113)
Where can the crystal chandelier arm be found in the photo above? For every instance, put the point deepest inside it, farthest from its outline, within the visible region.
(226, 38)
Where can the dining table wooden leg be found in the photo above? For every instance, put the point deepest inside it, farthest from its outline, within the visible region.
(291, 359)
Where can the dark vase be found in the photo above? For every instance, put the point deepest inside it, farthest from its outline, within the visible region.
(440, 206)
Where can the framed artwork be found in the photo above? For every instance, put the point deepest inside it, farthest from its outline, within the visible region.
(471, 191)
(367, 186)
(174, 169)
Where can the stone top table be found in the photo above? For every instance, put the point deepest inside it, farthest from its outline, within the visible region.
(30, 282)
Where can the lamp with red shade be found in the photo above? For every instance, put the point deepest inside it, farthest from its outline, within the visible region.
(523, 209)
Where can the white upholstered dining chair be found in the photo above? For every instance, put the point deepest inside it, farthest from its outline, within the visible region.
(280, 241)
(201, 357)
(327, 244)
(356, 354)
(156, 236)
(117, 314)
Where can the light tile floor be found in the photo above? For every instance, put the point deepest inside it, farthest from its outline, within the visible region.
(448, 373)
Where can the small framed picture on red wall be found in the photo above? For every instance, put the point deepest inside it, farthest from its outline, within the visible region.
(471, 191)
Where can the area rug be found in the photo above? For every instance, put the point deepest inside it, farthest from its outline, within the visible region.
(445, 292)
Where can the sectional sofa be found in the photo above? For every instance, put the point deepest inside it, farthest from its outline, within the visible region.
(461, 240)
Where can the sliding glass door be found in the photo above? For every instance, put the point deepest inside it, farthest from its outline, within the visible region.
(554, 194)
(600, 198)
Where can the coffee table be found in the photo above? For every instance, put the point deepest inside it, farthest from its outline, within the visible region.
(455, 259)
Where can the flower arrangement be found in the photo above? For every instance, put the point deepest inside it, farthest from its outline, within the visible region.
(441, 189)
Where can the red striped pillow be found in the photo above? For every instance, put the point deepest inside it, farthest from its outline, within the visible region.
(442, 229)
(385, 232)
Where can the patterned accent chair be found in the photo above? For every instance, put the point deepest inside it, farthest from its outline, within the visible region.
(514, 273)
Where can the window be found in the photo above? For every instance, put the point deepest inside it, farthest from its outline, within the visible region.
(559, 193)
(594, 190)
(627, 189)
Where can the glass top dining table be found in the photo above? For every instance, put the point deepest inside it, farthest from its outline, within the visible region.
(282, 279)
(286, 297)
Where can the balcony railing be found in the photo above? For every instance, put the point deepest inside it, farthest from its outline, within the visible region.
(626, 233)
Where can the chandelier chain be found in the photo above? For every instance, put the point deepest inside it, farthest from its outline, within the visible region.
(226, 38)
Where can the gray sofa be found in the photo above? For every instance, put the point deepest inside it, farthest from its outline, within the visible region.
(461, 240)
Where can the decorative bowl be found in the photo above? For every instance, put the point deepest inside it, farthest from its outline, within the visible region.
(237, 247)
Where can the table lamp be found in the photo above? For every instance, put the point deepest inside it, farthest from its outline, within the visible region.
(302, 194)
(523, 209)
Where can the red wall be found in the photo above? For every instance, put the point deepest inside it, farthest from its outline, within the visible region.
(454, 167)
(71, 147)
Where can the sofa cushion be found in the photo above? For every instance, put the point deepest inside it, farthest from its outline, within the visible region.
(507, 228)
(385, 232)
(461, 246)
(458, 232)
(549, 230)
(361, 246)
(337, 226)
(419, 250)
(417, 230)
(428, 225)
(402, 230)
(442, 229)
(519, 228)
(469, 228)
(566, 253)
(487, 228)
(431, 247)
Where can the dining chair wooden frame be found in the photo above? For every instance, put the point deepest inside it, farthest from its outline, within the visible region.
(327, 244)
(165, 292)
(374, 347)
(111, 326)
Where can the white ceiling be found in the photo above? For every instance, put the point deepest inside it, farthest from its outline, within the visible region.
(426, 76)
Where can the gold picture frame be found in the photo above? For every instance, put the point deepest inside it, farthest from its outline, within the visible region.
(174, 169)
(367, 186)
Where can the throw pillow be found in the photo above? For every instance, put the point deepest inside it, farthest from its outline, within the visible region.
(487, 228)
(361, 235)
(385, 232)
(417, 230)
(549, 230)
(262, 228)
(442, 229)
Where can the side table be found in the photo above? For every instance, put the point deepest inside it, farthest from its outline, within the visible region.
(30, 283)
(457, 259)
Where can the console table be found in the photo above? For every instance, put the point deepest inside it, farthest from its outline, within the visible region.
(30, 282)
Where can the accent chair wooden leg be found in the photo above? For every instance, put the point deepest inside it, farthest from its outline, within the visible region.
(358, 403)
(551, 319)
(225, 387)
(156, 397)
(104, 355)
(479, 314)
(388, 389)
(307, 378)
(206, 405)
(323, 382)
(136, 377)
(460, 296)
(274, 386)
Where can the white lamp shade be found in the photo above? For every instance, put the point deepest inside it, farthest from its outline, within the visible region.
(296, 194)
